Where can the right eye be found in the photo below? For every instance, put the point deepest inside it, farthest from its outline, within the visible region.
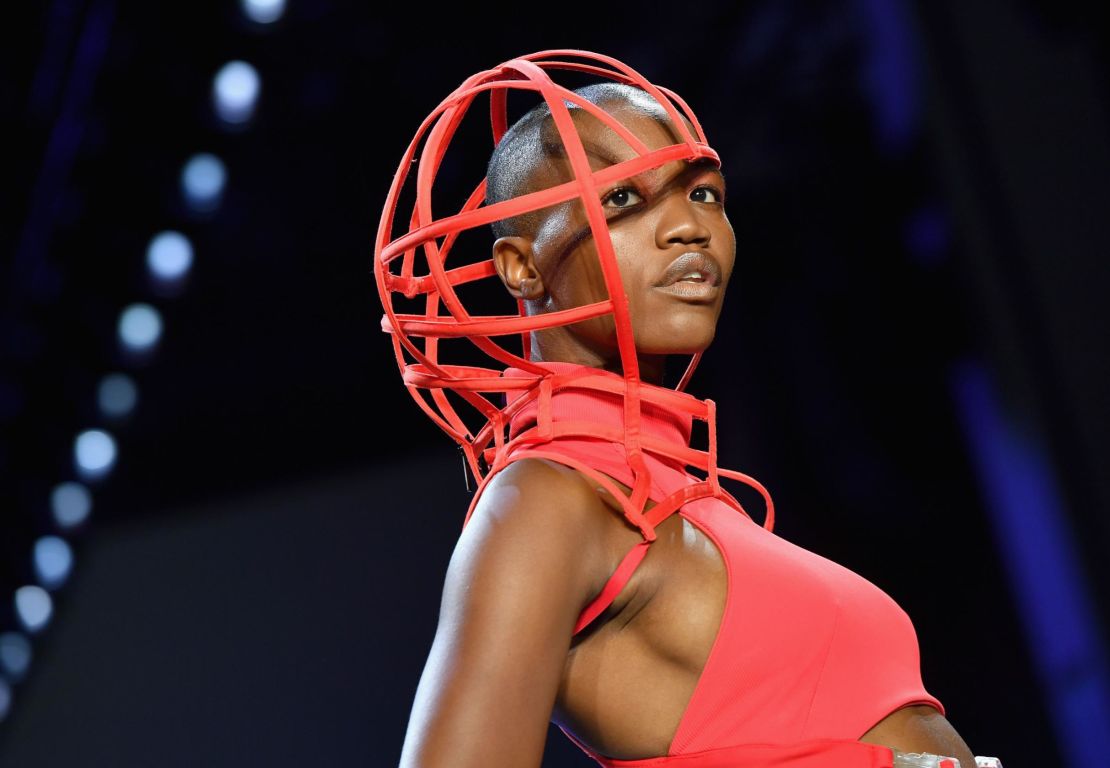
(624, 197)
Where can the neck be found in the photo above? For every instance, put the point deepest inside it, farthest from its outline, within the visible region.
(583, 405)
(544, 350)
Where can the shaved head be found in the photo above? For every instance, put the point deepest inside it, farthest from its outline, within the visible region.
(656, 223)
(520, 163)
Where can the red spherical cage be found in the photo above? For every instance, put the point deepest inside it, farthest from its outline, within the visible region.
(395, 271)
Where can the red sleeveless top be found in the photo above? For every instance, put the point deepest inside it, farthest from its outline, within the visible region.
(808, 656)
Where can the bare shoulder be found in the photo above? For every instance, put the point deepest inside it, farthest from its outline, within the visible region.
(536, 487)
(549, 513)
(528, 559)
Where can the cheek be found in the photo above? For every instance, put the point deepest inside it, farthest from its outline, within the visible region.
(590, 277)
(728, 254)
(628, 248)
(727, 267)
(578, 280)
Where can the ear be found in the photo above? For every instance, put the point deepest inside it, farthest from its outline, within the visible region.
(516, 266)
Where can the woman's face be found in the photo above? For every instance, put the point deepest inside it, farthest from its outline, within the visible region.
(673, 243)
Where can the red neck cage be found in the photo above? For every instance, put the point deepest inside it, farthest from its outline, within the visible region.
(416, 337)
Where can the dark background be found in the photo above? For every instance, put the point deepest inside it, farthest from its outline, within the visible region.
(913, 357)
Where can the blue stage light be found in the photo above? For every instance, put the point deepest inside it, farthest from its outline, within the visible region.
(1042, 557)
(53, 561)
(70, 504)
(33, 607)
(263, 11)
(15, 655)
(117, 395)
(94, 453)
(235, 92)
(202, 182)
(140, 327)
(5, 699)
(169, 256)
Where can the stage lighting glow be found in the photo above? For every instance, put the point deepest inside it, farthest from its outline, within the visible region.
(202, 182)
(117, 395)
(15, 655)
(140, 327)
(263, 11)
(33, 607)
(927, 235)
(53, 561)
(235, 92)
(5, 699)
(94, 453)
(169, 256)
(70, 504)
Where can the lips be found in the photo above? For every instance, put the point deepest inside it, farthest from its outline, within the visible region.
(693, 267)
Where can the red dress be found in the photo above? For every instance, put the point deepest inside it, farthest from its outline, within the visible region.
(808, 656)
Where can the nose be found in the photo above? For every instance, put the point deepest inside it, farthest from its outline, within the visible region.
(680, 222)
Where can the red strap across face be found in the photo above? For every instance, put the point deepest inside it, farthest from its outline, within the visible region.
(428, 241)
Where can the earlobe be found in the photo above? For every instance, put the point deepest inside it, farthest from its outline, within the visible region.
(512, 256)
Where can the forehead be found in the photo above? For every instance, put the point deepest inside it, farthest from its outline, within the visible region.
(643, 117)
(604, 147)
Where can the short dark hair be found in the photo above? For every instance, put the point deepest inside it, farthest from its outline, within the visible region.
(510, 172)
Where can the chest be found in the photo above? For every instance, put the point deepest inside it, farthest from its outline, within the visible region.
(626, 685)
(728, 616)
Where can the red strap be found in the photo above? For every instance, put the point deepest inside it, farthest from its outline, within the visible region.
(613, 586)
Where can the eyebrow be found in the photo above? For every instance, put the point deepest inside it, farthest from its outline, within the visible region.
(707, 162)
(699, 162)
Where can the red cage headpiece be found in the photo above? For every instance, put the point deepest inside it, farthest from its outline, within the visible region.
(416, 337)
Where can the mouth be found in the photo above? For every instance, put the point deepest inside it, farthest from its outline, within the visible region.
(693, 275)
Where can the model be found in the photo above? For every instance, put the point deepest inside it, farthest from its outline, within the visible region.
(604, 579)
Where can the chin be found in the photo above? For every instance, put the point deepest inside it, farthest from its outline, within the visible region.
(681, 339)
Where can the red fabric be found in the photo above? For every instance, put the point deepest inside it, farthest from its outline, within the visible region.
(809, 654)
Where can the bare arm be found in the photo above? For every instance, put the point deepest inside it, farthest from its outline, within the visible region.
(529, 559)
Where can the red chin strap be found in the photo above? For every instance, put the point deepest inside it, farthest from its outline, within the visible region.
(416, 337)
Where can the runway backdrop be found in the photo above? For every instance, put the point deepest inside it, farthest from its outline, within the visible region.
(225, 523)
